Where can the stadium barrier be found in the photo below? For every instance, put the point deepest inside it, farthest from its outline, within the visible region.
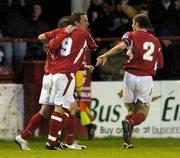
(162, 121)
(12, 110)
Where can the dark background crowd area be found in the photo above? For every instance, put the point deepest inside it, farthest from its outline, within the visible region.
(108, 19)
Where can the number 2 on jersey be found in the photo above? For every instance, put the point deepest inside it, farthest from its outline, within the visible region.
(149, 47)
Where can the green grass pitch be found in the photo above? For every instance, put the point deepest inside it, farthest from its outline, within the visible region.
(98, 148)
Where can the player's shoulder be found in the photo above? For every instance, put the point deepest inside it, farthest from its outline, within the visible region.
(82, 31)
(154, 38)
(127, 34)
(60, 29)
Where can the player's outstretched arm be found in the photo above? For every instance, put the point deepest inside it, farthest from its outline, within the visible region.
(101, 60)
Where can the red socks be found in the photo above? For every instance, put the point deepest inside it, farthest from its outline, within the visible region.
(136, 119)
(128, 117)
(70, 129)
(33, 124)
(56, 124)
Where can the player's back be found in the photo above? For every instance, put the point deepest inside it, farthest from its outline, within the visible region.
(72, 51)
(143, 53)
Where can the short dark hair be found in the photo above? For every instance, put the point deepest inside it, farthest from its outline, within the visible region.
(76, 16)
(64, 21)
(144, 22)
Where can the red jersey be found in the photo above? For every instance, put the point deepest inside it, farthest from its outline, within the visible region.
(144, 53)
(53, 37)
(66, 52)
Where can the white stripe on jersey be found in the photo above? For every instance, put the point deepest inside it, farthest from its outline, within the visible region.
(80, 52)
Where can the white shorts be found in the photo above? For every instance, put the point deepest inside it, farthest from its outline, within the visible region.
(57, 89)
(137, 87)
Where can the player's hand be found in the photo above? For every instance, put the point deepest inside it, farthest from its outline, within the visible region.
(69, 29)
(101, 60)
(90, 68)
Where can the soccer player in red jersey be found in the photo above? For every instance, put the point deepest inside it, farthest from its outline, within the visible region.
(45, 110)
(66, 50)
(67, 59)
(144, 57)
